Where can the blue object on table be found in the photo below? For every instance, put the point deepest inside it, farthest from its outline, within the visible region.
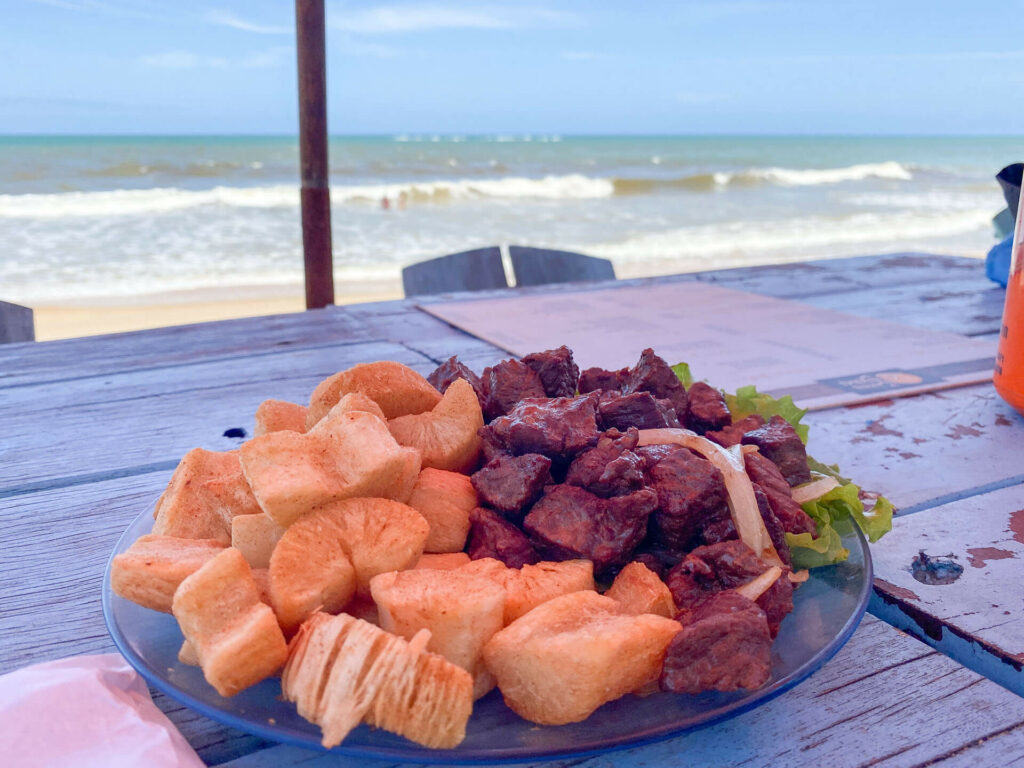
(997, 262)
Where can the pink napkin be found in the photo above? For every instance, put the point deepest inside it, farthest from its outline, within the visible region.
(86, 711)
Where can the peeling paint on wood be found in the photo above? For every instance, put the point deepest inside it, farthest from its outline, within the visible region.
(978, 619)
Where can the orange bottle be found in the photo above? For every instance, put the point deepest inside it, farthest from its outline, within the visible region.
(1009, 373)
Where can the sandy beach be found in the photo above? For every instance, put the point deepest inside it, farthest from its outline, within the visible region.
(99, 317)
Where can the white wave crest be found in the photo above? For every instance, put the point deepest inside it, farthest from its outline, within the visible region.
(809, 237)
(812, 176)
(129, 202)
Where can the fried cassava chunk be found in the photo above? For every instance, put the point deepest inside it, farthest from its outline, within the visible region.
(570, 655)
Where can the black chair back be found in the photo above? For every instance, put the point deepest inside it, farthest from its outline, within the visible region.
(16, 323)
(477, 270)
(540, 266)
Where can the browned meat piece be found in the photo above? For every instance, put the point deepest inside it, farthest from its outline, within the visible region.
(557, 370)
(652, 374)
(491, 447)
(719, 528)
(777, 603)
(652, 454)
(691, 490)
(558, 428)
(451, 369)
(778, 441)
(594, 379)
(712, 568)
(707, 408)
(569, 522)
(772, 524)
(639, 409)
(610, 468)
(724, 645)
(764, 472)
(505, 384)
(733, 434)
(491, 535)
(512, 483)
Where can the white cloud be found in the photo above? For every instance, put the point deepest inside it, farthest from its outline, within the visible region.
(227, 19)
(425, 17)
(271, 57)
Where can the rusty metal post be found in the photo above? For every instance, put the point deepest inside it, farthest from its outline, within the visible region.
(316, 192)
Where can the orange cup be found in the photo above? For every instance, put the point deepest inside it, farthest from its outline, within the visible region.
(1009, 372)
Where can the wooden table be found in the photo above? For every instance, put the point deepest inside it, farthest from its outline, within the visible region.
(90, 430)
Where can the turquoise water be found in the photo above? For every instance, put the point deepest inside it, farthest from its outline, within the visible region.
(87, 217)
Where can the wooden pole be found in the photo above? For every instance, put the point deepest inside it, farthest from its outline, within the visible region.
(316, 192)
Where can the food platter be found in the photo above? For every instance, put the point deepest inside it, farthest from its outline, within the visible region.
(827, 609)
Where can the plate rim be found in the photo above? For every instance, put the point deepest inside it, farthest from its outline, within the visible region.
(418, 754)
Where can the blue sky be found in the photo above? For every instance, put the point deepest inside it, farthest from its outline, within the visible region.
(441, 66)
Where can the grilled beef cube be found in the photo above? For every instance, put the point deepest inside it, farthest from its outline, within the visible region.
(652, 454)
(690, 491)
(610, 468)
(777, 603)
(505, 384)
(652, 374)
(557, 370)
(706, 408)
(778, 441)
(638, 409)
(724, 645)
(558, 428)
(490, 446)
(491, 535)
(764, 473)
(718, 529)
(772, 524)
(451, 369)
(595, 379)
(510, 484)
(570, 522)
(732, 434)
(714, 568)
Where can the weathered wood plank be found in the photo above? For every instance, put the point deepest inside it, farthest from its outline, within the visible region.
(976, 619)
(925, 450)
(56, 547)
(163, 347)
(883, 700)
(970, 307)
(172, 411)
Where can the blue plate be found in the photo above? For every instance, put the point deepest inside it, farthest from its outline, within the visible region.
(827, 609)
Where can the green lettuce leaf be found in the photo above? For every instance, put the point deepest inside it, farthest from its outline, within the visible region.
(834, 513)
(748, 400)
(810, 552)
(682, 371)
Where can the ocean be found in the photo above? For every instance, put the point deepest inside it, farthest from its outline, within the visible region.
(108, 219)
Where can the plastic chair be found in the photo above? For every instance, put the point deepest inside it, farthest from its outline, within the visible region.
(540, 266)
(477, 270)
(16, 323)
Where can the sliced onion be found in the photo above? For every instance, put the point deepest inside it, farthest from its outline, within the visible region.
(749, 449)
(757, 586)
(799, 577)
(814, 489)
(742, 502)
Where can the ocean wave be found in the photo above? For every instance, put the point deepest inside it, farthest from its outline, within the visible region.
(808, 236)
(124, 202)
(785, 177)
